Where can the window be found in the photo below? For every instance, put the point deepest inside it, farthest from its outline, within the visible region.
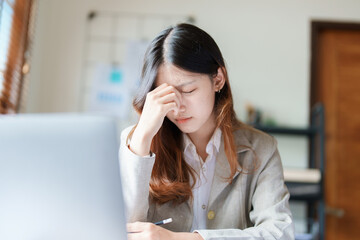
(14, 42)
(6, 13)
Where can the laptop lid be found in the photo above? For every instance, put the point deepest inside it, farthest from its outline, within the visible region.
(59, 178)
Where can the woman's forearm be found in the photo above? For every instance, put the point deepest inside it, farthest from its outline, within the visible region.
(140, 143)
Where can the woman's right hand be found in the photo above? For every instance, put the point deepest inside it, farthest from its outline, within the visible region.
(158, 103)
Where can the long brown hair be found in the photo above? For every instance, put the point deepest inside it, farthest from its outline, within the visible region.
(192, 49)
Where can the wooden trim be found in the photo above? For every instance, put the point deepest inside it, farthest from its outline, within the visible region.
(9, 97)
(24, 58)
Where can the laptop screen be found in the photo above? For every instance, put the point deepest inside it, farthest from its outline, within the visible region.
(59, 178)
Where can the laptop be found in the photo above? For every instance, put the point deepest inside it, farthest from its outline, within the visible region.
(60, 178)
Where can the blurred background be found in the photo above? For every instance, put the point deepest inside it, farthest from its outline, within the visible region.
(283, 58)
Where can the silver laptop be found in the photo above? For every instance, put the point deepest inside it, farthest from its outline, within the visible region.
(59, 178)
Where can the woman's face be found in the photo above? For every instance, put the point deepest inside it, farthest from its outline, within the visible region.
(197, 98)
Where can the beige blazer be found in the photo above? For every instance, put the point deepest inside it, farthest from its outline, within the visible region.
(254, 206)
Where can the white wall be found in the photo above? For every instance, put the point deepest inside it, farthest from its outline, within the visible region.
(265, 44)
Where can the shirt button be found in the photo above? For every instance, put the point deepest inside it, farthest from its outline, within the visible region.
(203, 206)
(211, 215)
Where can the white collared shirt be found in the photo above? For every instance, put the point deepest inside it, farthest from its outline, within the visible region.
(205, 174)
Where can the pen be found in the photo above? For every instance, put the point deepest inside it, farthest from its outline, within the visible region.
(165, 221)
(169, 220)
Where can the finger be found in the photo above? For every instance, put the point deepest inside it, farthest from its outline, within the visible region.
(179, 100)
(169, 90)
(138, 236)
(135, 227)
(162, 86)
(134, 236)
(171, 106)
(171, 97)
(178, 94)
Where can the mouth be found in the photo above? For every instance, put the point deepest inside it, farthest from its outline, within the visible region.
(182, 120)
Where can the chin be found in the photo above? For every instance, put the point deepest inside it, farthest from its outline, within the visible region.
(187, 129)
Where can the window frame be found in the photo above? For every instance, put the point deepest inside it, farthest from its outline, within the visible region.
(16, 57)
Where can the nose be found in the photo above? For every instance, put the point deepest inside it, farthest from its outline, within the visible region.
(182, 107)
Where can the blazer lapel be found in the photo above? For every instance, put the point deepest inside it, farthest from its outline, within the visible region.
(222, 167)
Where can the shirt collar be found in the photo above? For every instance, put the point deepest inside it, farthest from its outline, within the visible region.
(215, 141)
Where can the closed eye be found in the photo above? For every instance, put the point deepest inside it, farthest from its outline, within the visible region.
(189, 91)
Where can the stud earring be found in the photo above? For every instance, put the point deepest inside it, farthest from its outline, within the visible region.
(219, 90)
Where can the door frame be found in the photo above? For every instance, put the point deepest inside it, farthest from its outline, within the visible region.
(317, 27)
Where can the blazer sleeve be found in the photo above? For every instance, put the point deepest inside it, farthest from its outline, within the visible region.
(270, 212)
(135, 177)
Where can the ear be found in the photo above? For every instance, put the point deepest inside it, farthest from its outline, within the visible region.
(219, 79)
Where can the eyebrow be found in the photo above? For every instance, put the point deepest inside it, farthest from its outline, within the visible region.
(184, 84)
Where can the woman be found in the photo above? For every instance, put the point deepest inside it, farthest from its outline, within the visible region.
(189, 158)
